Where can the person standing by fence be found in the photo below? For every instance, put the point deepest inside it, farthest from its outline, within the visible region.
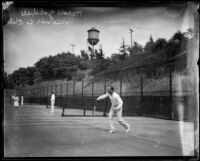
(52, 102)
(16, 100)
(116, 108)
(22, 100)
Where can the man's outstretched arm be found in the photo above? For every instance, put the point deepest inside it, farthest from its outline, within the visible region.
(102, 97)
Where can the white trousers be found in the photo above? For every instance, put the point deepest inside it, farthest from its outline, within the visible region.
(52, 106)
(119, 119)
(16, 103)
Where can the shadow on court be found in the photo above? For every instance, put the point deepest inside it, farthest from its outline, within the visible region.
(32, 131)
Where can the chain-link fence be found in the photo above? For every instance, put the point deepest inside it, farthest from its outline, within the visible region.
(153, 90)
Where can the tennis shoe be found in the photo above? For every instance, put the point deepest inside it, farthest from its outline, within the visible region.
(128, 129)
(111, 131)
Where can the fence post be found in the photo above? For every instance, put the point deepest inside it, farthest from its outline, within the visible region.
(44, 95)
(36, 95)
(105, 102)
(61, 101)
(93, 96)
(67, 89)
(142, 111)
(63, 109)
(40, 90)
(74, 100)
(82, 99)
(56, 89)
(120, 85)
(61, 89)
(170, 91)
(74, 88)
(120, 91)
(31, 96)
(47, 96)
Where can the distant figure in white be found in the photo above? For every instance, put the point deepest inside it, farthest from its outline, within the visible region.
(12, 99)
(52, 102)
(116, 108)
(16, 100)
(22, 100)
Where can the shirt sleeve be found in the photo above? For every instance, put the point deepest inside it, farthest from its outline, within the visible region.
(102, 97)
(119, 100)
(52, 97)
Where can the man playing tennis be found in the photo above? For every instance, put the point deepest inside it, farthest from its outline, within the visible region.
(116, 107)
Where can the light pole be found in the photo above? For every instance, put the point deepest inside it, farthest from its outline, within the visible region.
(131, 36)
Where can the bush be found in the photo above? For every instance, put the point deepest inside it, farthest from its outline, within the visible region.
(79, 76)
(83, 66)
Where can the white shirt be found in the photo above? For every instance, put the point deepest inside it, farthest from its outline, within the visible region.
(53, 97)
(114, 98)
(16, 98)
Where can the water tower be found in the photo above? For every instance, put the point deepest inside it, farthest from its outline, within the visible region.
(93, 37)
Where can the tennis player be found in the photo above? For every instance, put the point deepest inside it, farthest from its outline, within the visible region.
(22, 100)
(52, 102)
(16, 101)
(116, 107)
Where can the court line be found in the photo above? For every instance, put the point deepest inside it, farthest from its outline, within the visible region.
(46, 123)
(157, 143)
(144, 138)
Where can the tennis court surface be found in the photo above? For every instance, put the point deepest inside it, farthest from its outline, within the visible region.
(32, 131)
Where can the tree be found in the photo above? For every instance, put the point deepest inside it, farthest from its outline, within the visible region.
(99, 55)
(101, 66)
(92, 54)
(7, 84)
(136, 49)
(62, 65)
(159, 45)
(177, 44)
(37, 77)
(149, 46)
(123, 51)
(84, 55)
(30, 72)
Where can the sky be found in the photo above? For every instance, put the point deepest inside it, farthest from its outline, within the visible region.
(27, 38)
